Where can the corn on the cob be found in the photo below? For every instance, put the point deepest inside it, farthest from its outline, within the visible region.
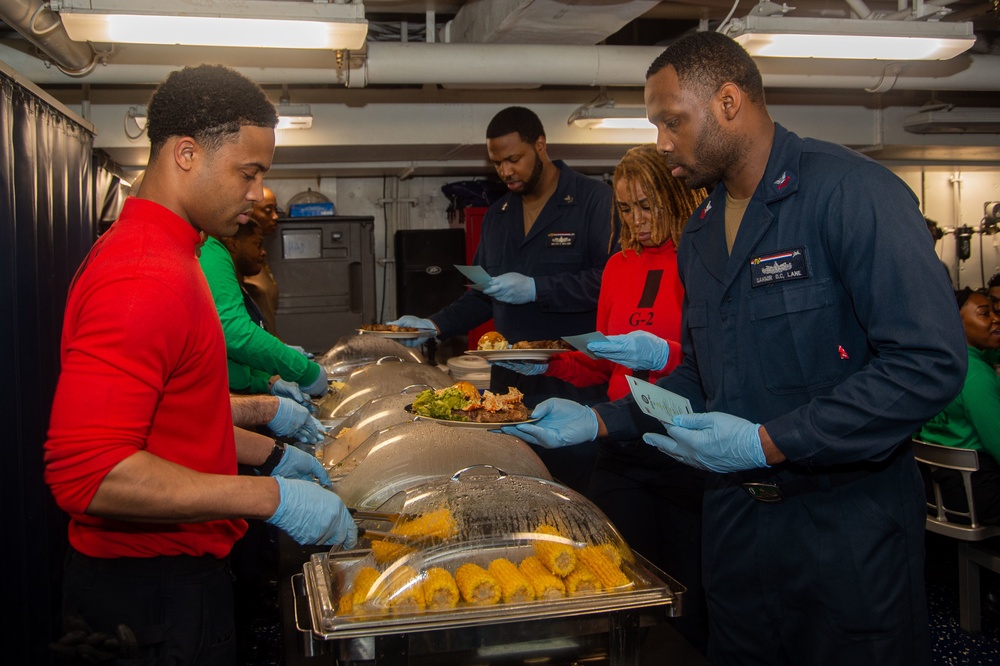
(582, 580)
(406, 591)
(514, 585)
(476, 584)
(557, 557)
(610, 574)
(613, 553)
(356, 594)
(388, 551)
(438, 523)
(440, 590)
(546, 585)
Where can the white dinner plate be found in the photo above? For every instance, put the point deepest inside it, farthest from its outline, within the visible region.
(400, 335)
(537, 355)
(466, 424)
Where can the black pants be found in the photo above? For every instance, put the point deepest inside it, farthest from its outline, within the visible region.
(656, 504)
(179, 608)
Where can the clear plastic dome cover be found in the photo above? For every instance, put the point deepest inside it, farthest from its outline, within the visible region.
(405, 455)
(347, 435)
(356, 351)
(373, 381)
(486, 539)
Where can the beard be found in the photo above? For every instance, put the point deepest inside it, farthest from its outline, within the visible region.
(714, 152)
(531, 184)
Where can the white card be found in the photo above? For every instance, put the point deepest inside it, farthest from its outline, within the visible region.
(657, 402)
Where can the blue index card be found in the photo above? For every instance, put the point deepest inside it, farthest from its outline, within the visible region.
(580, 341)
(657, 402)
(477, 275)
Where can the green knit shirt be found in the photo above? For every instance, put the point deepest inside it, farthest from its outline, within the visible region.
(254, 354)
(972, 420)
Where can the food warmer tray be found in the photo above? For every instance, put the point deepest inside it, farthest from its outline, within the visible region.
(478, 515)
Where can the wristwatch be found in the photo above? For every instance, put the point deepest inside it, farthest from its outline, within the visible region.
(267, 467)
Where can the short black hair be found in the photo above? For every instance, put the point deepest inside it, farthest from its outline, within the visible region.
(962, 295)
(516, 119)
(994, 281)
(247, 230)
(209, 103)
(706, 60)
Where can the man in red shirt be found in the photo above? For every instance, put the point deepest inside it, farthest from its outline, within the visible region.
(142, 453)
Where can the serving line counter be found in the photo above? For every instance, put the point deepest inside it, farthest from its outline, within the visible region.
(470, 553)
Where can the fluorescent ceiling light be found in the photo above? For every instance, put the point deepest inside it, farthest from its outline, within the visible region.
(294, 116)
(945, 120)
(864, 39)
(609, 116)
(248, 23)
(290, 116)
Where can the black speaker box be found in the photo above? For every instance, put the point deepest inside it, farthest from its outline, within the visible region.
(426, 277)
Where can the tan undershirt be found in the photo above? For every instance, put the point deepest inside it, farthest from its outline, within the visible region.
(734, 217)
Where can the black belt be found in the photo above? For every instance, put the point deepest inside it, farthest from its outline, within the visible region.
(763, 487)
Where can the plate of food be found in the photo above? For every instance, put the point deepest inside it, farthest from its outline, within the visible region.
(492, 346)
(396, 332)
(462, 405)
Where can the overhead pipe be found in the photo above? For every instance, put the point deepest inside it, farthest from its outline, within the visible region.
(43, 28)
(388, 63)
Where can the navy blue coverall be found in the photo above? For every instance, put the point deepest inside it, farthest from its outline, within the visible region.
(832, 324)
(565, 252)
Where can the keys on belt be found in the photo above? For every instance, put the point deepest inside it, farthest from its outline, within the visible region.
(764, 492)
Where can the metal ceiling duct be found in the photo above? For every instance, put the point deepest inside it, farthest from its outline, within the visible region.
(44, 29)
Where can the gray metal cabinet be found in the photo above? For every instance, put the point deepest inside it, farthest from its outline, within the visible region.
(325, 270)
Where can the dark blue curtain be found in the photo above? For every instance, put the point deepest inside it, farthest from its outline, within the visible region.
(46, 227)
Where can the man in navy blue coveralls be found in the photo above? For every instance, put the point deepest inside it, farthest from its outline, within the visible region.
(545, 243)
(819, 335)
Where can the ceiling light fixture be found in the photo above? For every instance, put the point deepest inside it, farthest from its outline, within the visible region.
(946, 119)
(861, 39)
(605, 115)
(294, 116)
(248, 23)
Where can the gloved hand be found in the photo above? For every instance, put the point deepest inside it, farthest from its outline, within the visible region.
(297, 464)
(561, 423)
(511, 288)
(523, 367)
(310, 514)
(714, 441)
(320, 386)
(291, 390)
(637, 350)
(409, 321)
(310, 432)
(301, 350)
(290, 418)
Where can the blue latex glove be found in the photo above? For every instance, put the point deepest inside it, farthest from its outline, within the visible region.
(637, 350)
(297, 464)
(301, 350)
(561, 423)
(523, 367)
(511, 288)
(310, 514)
(714, 441)
(291, 390)
(320, 386)
(310, 432)
(290, 418)
(409, 321)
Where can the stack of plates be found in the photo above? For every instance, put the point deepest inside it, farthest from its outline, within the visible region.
(470, 369)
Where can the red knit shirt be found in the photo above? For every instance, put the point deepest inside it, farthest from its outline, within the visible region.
(637, 292)
(143, 369)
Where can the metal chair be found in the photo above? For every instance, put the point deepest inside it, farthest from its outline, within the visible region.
(971, 553)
